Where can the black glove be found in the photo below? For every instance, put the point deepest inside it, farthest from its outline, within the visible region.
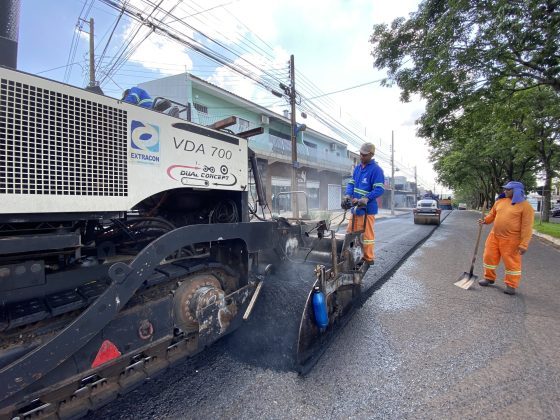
(346, 202)
(362, 202)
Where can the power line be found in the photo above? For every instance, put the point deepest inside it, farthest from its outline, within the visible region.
(346, 89)
(76, 39)
(265, 75)
(204, 11)
(110, 37)
(166, 30)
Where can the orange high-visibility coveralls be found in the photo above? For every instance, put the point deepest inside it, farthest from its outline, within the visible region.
(513, 228)
(368, 239)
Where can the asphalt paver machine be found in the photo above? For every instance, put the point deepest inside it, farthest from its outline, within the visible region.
(126, 245)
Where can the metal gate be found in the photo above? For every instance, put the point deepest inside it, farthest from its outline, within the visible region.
(335, 196)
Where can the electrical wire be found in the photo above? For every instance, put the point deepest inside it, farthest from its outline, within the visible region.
(76, 40)
(102, 56)
(224, 212)
(125, 50)
(161, 27)
(310, 98)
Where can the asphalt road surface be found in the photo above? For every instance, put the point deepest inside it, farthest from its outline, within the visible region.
(419, 347)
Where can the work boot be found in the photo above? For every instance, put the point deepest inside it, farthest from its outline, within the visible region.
(485, 282)
(509, 290)
(368, 262)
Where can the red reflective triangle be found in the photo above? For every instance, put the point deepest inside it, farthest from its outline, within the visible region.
(107, 351)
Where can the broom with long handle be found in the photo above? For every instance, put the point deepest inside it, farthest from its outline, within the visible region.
(467, 279)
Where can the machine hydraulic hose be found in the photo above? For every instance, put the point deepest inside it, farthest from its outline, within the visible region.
(261, 198)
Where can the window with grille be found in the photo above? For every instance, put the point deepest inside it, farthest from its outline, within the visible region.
(57, 144)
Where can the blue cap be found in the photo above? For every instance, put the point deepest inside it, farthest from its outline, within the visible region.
(518, 191)
(512, 185)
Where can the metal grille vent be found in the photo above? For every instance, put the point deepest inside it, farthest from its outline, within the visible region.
(57, 144)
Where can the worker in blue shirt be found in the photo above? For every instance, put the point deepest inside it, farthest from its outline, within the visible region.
(137, 96)
(366, 185)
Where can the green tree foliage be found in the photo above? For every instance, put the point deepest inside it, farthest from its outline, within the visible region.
(542, 126)
(455, 48)
(479, 64)
(487, 148)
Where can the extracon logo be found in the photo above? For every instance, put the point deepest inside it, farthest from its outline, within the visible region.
(144, 142)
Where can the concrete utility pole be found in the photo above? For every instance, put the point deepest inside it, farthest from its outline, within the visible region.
(91, 55)
(295, 165)
(415, 186)
(392, 172)
(93, 86)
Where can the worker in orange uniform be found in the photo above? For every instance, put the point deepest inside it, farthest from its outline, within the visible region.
(366, 185)
(509, 239)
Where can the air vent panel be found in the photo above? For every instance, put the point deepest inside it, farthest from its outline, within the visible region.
(52, 143)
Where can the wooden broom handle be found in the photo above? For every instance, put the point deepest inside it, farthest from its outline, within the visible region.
(477, 241)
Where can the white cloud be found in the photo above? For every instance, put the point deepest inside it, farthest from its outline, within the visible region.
(82, 33)
(330, 42)
(157, 49)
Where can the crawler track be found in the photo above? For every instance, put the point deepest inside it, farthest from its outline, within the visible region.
(74, 396)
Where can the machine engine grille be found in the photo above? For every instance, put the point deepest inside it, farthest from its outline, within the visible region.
(57, 144)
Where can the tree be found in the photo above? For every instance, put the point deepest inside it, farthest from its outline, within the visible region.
(484, 149)
(543, 127)
(463, 54)
(460, 47)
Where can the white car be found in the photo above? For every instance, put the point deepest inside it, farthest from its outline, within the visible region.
(462, 206)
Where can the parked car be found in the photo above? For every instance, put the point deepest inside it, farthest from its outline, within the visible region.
(555, 212)
(462, 206)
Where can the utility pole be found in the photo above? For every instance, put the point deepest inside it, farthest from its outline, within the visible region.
(91, 55)
(93, 86)
(295, 165)
(415, 185)
(392, 172)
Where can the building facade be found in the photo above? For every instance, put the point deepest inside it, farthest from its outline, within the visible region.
(324, 163)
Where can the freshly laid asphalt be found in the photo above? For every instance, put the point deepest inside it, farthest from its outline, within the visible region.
(419, 347)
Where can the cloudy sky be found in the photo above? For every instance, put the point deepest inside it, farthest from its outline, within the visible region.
(328, 38)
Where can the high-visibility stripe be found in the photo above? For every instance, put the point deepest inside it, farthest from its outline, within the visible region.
(513, 273)
(136, 96)
(379, 184)
(368, 241)
(144, 101)
(364, 192)
(492, 267)
(352, 182)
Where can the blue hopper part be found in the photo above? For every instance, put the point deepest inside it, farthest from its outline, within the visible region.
(320, 308)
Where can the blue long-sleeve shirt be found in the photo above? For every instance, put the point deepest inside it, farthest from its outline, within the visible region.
(140, 97)
(367, 181)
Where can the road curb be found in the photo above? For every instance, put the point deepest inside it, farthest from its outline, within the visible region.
(547, 238)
